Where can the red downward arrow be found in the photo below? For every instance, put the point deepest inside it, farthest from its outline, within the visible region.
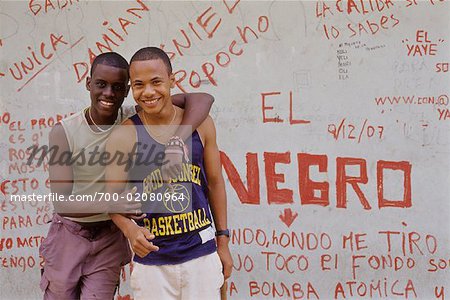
(288, 217)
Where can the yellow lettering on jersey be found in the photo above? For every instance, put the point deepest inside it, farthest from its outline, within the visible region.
(176, 226)
(196, 174)
(154, 229)
(147, 224)
(170, 225)
(153, 181)
(191, 222)
(162, 227)
(168, 222)
(183, 218)
(196, 222)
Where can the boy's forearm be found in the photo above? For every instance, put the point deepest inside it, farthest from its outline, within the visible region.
(124, 223)
(197, 107)
(218, 204)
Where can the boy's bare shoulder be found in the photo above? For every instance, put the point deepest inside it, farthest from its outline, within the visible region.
(125, 133)
(207, 130)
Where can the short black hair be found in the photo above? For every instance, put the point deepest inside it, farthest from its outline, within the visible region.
(152, 53)
(112, 59)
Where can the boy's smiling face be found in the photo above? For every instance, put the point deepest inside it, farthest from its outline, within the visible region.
(151, 84)
(108, 88)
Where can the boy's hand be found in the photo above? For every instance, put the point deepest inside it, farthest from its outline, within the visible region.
(139, 240)
(172, 164)
(225, 256)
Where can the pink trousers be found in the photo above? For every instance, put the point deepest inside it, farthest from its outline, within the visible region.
(82, 261)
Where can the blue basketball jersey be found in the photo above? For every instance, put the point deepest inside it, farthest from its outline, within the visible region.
(178, 212)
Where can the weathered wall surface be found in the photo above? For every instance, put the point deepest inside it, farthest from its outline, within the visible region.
(333, 121)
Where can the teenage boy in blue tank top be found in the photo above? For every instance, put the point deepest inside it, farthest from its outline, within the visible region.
(187, 259)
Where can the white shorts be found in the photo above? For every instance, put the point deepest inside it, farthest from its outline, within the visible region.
(200, 278)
